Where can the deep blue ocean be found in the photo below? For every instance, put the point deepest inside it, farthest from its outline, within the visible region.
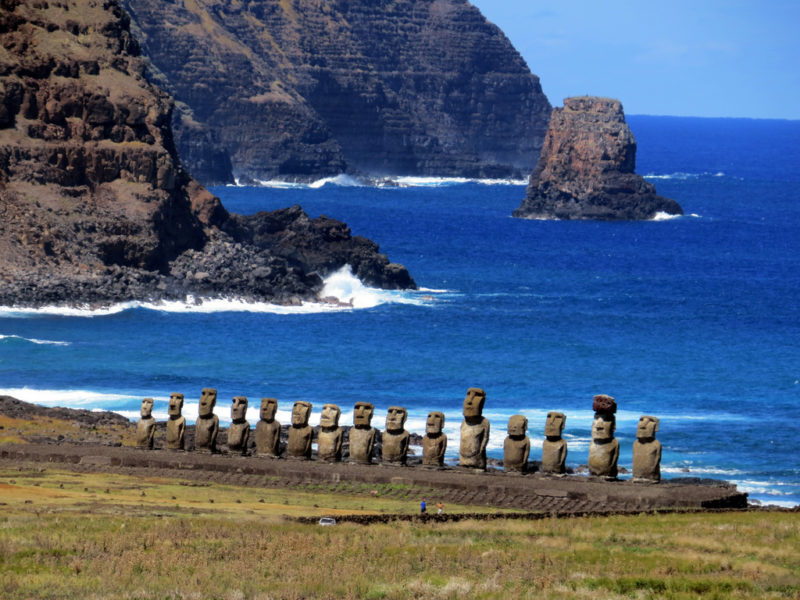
(695, 320)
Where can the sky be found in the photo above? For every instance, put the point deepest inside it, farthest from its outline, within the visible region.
(705, 58)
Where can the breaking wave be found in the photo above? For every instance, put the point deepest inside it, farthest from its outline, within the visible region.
(343, 180)
(32, 340)
(341, 291)
(680, 176)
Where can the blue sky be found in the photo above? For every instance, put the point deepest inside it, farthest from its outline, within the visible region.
(707, 58)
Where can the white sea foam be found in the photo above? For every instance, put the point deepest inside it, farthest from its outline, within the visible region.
(33, 340)
(683, 176)
(409, 181)
(348, 291)
(663, 216)
(67, 398)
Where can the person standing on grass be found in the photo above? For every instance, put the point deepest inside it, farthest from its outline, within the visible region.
(422, 507)
(440, 506)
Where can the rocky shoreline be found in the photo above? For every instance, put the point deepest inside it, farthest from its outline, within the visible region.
(96, 208)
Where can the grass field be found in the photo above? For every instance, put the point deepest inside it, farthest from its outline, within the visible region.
(71, 535)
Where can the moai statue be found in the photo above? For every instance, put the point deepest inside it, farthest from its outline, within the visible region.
(206, 427)
(474, 431)
(268, 430)
(300, 433)
(517, 446)
(604, 449)
(239, 431)
(395, 438)
(146, 427)
(434, 443)
(362, 434)
(647, 451)
(554, 447)
(329, 439)
(176, 424)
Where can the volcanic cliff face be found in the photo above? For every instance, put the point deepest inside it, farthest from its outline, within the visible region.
(94, 204)
(299, 88)
(586, 169)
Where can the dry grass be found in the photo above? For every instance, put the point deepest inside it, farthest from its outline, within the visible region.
(153, 538)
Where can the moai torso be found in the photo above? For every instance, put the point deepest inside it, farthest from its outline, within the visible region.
(268, 430)
(176, 424)
(474, 431)
(434, 444)
(146, 427)
(395, 438)
(330, 437)
(554, 447)
(604, 448)
(647, 451)
(517, 446)
(362, 434)
(300, 433)
(206, 427)
(239, 431)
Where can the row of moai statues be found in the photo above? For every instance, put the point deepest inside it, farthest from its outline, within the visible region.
(475, 428)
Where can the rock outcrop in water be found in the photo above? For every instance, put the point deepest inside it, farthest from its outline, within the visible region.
(95, 206)
(303, 89)
(586, 169)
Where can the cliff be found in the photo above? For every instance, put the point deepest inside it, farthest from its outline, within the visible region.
(306, 88)
(587, 168)
(94, 203)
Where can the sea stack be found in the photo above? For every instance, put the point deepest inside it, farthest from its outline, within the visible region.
(586, 168)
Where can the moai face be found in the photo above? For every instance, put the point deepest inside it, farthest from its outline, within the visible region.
(473, 403)
(330, 416)
(554, 426)
(301, 411)
(239, 408)
(435, 423)
(208, 400)
(647, 428)
(175, 405)
(396, 418)
(269, 406)
(603, 428)
(147, 408)
(362, 414)
(517, 426)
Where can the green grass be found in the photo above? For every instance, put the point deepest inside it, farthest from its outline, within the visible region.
(69, 535)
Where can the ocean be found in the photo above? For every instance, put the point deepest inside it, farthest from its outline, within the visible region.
(694, 320)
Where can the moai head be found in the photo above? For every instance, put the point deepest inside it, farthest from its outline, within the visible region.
(554, 426)
(330, 416)
(517, 426)
(175, 405)
(269, 406)
(435, 423)
(603, 428)
(473, 403)
(647, 428)
(147, 408)
(239, 408)
(396, 418)
(208, 400)
(362, 414)
(301, 411)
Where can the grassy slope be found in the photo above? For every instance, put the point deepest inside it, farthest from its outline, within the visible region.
(70, 535)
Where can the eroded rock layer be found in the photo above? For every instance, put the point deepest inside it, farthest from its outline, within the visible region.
(306, 88)
(94, 203)
(587, 168)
